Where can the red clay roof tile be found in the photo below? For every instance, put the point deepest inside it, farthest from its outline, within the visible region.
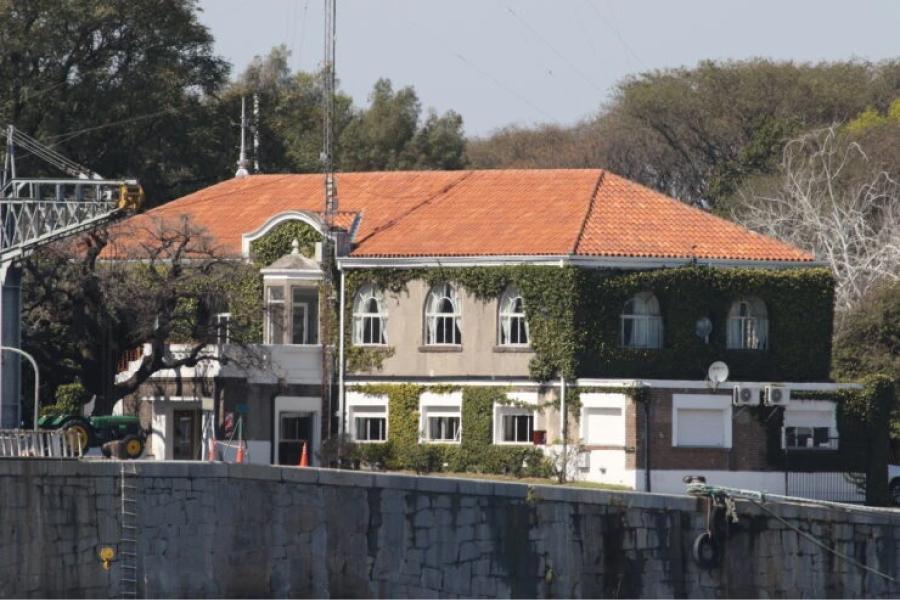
(480, 213)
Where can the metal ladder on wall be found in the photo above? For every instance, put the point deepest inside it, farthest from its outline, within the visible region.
(128, 542)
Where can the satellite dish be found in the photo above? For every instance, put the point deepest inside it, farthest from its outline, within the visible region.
(718, 373)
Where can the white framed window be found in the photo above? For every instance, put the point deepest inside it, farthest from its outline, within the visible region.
(810, 425)
(367, 417)
(370, 425)
(701, 420)
(223, 328)
(440, 417)
(513, 325)
(442, 427)
(369, 318)
(299, 321)
(442, 317)
(641, 322)
(515, 423)
(748, 325)
(275, 315)
(603, 419)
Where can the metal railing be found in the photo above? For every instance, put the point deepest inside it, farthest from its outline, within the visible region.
(19, 443)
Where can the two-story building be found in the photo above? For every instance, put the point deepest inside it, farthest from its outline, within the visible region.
(468, 306)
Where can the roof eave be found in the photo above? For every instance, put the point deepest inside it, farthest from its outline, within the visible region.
(612, 262)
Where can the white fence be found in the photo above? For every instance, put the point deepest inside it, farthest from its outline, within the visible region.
(19, 443)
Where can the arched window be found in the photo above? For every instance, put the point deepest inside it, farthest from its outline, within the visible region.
(513, 326)
(748, 325)
(442, 316)
(369, 318)
(641, 323)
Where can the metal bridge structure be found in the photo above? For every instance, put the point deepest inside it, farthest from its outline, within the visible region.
(35, 211)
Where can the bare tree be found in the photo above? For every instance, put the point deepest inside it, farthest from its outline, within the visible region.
(830, 201)
(89, 301)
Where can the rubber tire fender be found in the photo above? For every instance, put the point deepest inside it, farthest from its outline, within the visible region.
(705, 551)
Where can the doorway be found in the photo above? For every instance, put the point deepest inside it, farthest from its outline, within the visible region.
(294, 430)
(186, 434)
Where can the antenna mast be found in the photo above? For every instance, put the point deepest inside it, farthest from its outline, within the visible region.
(255, 132)
(242, 158)
(331, 200)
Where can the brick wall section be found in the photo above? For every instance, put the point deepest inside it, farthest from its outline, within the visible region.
(217, 530)
(748, 439)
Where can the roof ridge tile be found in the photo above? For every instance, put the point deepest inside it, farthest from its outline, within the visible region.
(590, 208)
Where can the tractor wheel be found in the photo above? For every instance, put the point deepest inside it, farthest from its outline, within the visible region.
(134, 446)
(79, 434)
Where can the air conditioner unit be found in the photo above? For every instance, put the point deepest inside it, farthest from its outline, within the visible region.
(777, 395)
(745, 396)
(583, 460)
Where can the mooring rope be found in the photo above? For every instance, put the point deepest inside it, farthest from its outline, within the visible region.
(822, 544)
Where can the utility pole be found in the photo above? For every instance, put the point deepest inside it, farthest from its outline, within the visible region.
(329, 256)
(331, 200)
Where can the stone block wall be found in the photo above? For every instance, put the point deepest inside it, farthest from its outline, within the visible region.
(248, 530)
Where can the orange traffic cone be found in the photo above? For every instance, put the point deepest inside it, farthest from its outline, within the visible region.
(240, 454)
(304, 457)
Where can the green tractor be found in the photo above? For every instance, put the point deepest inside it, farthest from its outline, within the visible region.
(97, 431)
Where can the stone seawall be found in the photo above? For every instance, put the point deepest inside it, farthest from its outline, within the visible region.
(245, 530)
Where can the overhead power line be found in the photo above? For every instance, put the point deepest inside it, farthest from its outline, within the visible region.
(611, 26)
(64, 137)
(503, 86)
(559, 54)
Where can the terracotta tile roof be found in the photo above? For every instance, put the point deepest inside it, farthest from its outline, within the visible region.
(521, 212)
(628, 219)
(556, 212)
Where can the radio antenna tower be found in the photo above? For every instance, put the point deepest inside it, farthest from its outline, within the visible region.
(255, 132)
(242, 157)
(331, 200)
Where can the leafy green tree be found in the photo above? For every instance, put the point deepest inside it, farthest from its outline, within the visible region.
(122, 87)
(81, 314)
(868, 340)
(386, 135)
(698, 133)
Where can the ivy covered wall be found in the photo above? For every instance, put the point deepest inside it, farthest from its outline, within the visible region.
(573, 314)
(573, 317)
(476, 451)
(799, 303)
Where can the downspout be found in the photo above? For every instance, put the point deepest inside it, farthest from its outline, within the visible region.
(341, 426)
(563, 428)
(646, 443)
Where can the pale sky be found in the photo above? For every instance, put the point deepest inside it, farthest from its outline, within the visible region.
(502, 62)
